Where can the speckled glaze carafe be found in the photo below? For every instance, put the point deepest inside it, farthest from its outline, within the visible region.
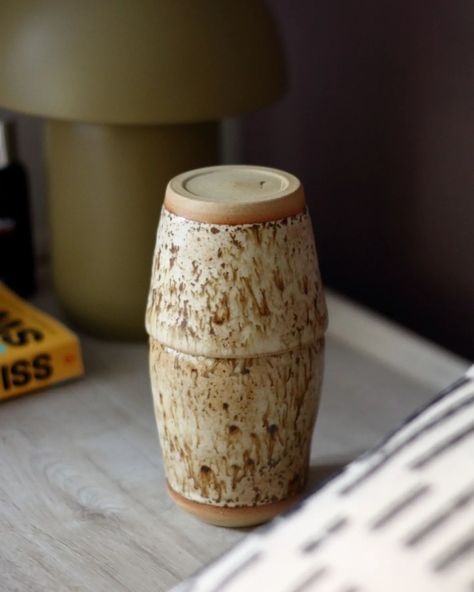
(236, 318)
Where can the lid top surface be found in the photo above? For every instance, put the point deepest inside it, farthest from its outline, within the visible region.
(235, 185)
(235, 194)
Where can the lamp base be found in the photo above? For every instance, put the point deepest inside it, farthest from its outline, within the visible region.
(106, 186)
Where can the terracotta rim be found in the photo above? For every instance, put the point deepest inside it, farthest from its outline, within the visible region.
(232, 517)
(240, 202)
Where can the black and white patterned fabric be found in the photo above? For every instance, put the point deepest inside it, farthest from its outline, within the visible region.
(399, 518)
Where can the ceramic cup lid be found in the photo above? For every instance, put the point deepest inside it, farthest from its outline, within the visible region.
(235, 194)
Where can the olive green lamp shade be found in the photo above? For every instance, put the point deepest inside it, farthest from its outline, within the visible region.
(132, 92)
(138, 61)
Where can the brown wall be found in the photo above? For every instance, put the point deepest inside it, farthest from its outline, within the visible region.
(379, 125)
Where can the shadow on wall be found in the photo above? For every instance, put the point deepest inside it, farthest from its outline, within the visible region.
(379, 126)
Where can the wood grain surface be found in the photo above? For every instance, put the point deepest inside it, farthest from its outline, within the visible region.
(82, 492)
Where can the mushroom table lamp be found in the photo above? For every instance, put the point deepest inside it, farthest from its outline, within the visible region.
(132, 92)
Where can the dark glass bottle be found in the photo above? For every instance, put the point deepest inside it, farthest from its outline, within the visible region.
(16, 245)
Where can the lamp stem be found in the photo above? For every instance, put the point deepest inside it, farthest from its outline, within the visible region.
(106, 187)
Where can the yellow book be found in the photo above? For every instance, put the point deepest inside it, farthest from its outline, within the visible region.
(35, 349)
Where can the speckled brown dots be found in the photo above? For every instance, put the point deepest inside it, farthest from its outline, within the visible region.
(260, 453)
(236, 317)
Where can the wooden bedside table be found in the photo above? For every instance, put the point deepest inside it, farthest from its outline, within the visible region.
(83, 504)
